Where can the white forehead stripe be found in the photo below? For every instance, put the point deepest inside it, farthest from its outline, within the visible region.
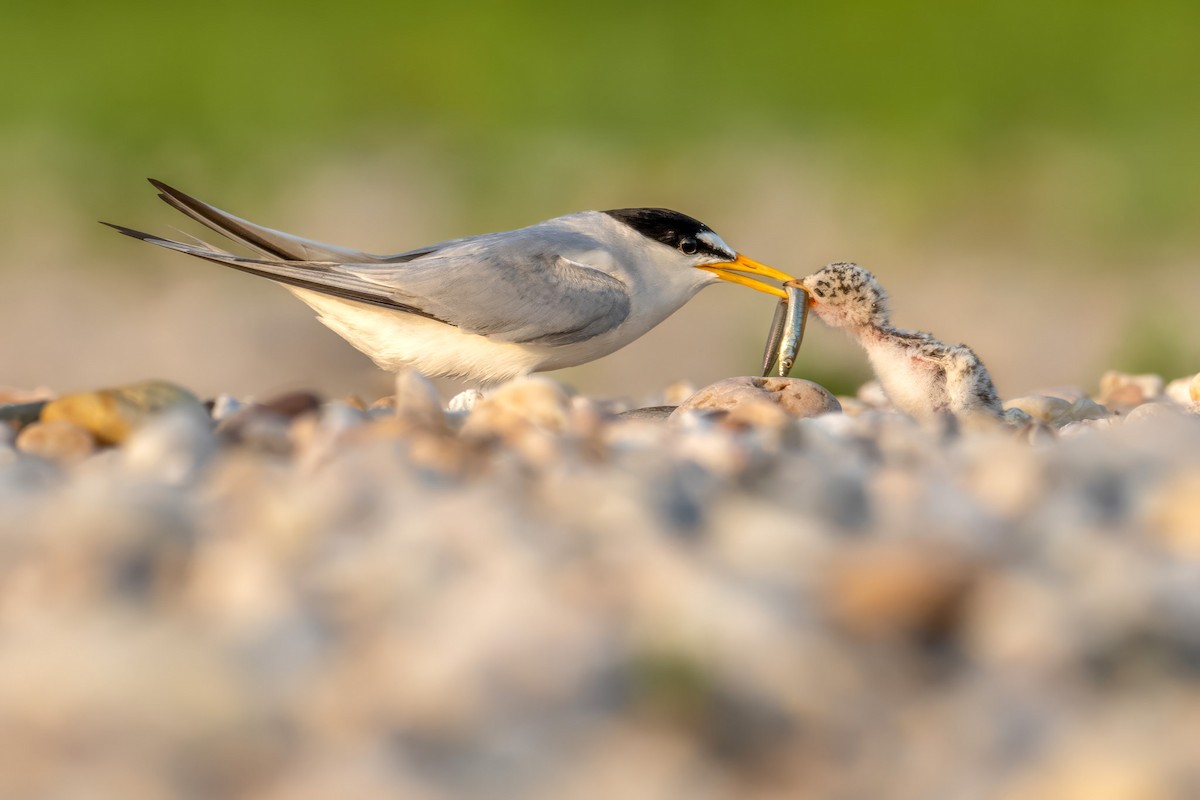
(714, 241)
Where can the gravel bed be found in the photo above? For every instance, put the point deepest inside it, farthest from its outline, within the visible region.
(541, 595)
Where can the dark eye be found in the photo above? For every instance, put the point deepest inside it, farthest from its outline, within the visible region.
(688, 247)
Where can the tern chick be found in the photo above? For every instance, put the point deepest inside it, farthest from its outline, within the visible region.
(494, 306)
(920, 375)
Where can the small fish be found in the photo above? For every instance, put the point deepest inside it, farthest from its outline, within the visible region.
(793, 326)
(771, 353)
(787, 330)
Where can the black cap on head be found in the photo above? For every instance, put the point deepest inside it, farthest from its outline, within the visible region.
(669, 227)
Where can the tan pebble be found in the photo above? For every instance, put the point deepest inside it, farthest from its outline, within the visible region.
(796, 396)
(1153, 411)
(1122, 389)
(587, 417)
(1039, 407)
(1009, 481)
(756, 414)
(535, 402)
(384, 428)
(1178, 391)
(1057, 411)
(852, 406)
(1174, 514)
(677, 392)
(873, 395)
(112, 414)
(446, 454)
(383, 403)
(417, 402)
(10, 395)
(57, 440)
(1094, 770)
(1017, 622)
(888, 590)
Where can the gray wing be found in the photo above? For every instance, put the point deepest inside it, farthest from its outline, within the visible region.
(515, 286)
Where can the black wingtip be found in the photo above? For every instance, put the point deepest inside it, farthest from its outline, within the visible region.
(171, 191)
(129, 231)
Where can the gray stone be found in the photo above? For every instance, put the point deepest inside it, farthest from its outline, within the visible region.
(652, 413)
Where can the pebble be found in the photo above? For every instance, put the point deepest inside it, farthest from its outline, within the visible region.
(872, 395)
(897, 590)
(56, 440)
(464, 401)
(10, 395)
(1119, 390)
(1174, 514)
(677, 392)
(291, 405)
(173, 448)
(1057, 411)
(1151, 412)
(417, 403)
(225, 406)
(18, 415)
(540, 596)
(753, 397)
(651, 413)
(518, 406)
(1185, 392)
(111, 415)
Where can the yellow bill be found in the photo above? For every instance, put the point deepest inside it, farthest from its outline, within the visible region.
(730, 271)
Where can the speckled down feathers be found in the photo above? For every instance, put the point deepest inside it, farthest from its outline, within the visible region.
(921, 375)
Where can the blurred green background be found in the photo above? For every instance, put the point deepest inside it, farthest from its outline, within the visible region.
(1021, 176)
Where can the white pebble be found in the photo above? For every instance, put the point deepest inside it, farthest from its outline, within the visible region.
(464, 401)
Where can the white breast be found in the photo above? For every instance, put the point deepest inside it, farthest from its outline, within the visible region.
(395, 340)
(914, 385)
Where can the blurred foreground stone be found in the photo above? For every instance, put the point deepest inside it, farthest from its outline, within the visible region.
(538, 594)
(112, 414)
(754, 396)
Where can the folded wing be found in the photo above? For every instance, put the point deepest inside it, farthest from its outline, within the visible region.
(516, 287)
